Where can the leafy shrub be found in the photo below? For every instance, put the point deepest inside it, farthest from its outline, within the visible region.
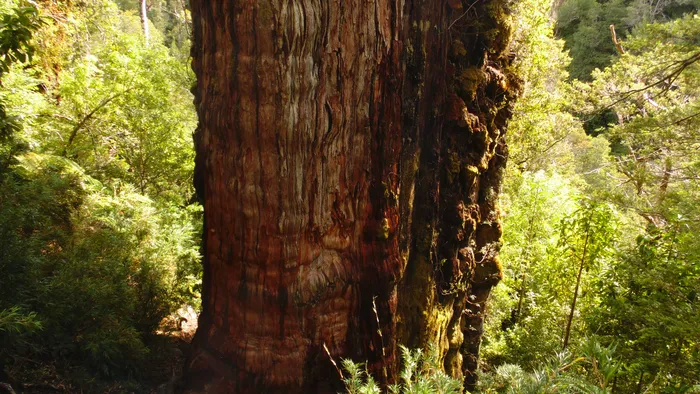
(15, 326)
(421, 374)
(98, 266)
(593, 371)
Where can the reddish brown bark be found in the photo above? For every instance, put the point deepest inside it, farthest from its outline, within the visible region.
(347, 151)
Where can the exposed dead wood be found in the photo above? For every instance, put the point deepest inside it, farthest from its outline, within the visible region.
(618, 45)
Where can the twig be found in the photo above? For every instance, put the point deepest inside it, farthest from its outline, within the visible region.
(671, 78)
(87, 117)
(461, 16)
(381, 337)
(333, 361)
(45, 386)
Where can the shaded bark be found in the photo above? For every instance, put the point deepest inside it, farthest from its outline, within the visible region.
(349, 154)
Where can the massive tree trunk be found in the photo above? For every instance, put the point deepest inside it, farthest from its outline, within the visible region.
(348, 151)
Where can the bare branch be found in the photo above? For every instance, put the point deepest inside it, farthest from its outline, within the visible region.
(618, 46)
(87, 117)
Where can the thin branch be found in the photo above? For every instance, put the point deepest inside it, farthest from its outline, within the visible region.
(671, 78)
(333, 362)
(462, 16)
(545, 150)
(87, 117)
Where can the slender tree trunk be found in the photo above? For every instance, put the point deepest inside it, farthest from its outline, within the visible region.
(348, 151)
(521, 295)
(639, 383)
(525, 264)
(567, 332)
(144, 21)
(665, 180)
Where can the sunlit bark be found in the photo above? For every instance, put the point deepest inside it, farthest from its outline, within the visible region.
(143, 11)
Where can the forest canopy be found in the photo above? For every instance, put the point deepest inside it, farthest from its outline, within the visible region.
(100, 225)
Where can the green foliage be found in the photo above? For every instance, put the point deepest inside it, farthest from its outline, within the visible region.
(17, 26)
(527, 309)
(421, 373)
(654, 90)
(588, 234)
(16, 325)
(172, 19)
(639, 296)
(14, 321)
(99, 239)
(540, 121)
(648, 297)
(122, 110)
(541, 264)
(552, 165)
(16, 30)
(544, 133)
(100, 268)
(593, 371)
(584, 25)
(649, 307)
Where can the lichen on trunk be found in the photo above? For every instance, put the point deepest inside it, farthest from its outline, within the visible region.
(349, 154)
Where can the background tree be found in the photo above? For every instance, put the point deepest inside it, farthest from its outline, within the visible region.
(583, 24)
(653, 88)
(587, 237)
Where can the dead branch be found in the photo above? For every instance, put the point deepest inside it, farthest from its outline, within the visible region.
(618, 46)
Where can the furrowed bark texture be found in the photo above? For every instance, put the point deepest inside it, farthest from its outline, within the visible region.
(349, 154)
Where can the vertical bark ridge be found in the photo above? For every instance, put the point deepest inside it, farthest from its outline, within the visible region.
(349, 152)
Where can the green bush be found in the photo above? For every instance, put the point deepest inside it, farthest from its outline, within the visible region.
(592, 371)
(15, 326)
(420, 374)
(98, 266)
